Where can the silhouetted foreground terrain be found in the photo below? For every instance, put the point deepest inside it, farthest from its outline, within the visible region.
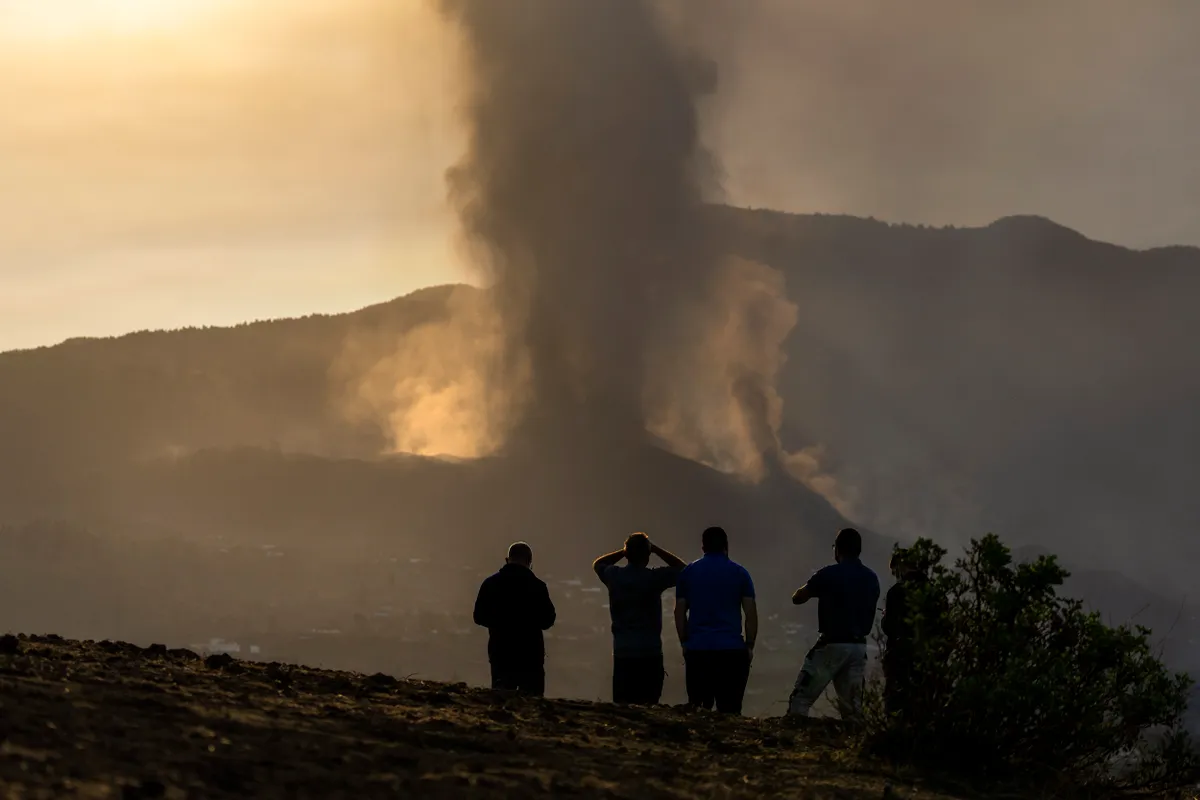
(115, 720)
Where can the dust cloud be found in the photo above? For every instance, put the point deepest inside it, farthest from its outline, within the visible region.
(434, 390)
(582, 194)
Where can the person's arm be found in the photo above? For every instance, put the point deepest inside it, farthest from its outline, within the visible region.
(750, 609)
(605, 561)
(681, 619)
(483, 606)
(893, 611)
(548, 614)
(670, 559)
(809, 590)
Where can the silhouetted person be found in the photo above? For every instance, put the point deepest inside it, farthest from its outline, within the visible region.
(847, 593)
(514, 605)
(711, 596)
(898, 628)
(635, 602)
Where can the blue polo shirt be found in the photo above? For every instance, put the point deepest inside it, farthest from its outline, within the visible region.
(714, 587)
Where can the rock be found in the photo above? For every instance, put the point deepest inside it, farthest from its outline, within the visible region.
(381, 681)
(218, 661)
(183, 654)
(145, 789)
(157, 651)
(279, 673)
(9, 645)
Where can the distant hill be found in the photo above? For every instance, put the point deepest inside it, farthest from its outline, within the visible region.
(1019, 378)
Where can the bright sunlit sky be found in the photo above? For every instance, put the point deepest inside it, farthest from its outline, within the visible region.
(182, 162)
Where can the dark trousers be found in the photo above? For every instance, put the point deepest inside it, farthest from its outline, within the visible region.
(526, 678)
(897, 675)
(717, 676)
(638, 681)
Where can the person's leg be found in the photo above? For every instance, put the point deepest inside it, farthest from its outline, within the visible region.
(533, 680)
(655, 675)
(895, 680)
(503, 676)
(849, 679)
(646, 680)
(622, 689)
(820, 665)
(699, 679)
(733, 676)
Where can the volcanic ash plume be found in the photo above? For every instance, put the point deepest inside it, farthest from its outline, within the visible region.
(711, 395)
(582, 190)
(582, 194)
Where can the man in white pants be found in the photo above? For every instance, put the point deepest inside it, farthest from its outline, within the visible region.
(847, 594)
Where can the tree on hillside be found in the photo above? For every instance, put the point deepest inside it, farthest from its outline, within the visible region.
(1011, 679)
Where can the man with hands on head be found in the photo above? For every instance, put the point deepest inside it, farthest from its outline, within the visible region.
(635, 603)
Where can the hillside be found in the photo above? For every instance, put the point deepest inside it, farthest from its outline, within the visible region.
(1018, 378)
(108, 719)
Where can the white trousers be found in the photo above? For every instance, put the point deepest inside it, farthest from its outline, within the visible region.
(842, 664)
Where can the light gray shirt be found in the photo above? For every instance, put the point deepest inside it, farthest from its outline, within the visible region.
(635, 602)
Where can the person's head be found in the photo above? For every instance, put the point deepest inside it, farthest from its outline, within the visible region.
(714, 540)
(637, 549)
(520, 554)
(847, 544)
(899, 565)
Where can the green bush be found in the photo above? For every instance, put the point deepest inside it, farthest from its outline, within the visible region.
(1011, 679)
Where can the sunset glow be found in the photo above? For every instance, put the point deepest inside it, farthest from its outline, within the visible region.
(73, 19)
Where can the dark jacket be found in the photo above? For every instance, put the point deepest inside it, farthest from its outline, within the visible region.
(514, 605)
(898, 610)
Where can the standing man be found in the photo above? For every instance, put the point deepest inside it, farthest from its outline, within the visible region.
(514, 605)
(847, 593)
(908, 595)
(635, 601)
(711, 596)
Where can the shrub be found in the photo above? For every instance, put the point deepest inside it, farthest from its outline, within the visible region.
(1009, 678)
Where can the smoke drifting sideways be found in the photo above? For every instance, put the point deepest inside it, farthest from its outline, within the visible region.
(613, 313)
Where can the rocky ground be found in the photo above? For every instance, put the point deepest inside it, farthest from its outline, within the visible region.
(105, 719)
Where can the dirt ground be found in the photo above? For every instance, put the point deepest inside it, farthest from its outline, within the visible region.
(115, 720)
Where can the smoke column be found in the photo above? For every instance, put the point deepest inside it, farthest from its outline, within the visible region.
(582, 192)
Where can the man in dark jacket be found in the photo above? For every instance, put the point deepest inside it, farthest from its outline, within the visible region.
(514, 605)
(897, 626)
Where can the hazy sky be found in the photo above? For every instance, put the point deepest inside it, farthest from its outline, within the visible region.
(175, 162)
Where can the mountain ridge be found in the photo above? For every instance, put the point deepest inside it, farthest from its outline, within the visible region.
(947, 383)
(1030, 225)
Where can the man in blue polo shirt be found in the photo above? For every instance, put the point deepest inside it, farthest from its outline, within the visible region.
(847, 593)
(710, 598)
